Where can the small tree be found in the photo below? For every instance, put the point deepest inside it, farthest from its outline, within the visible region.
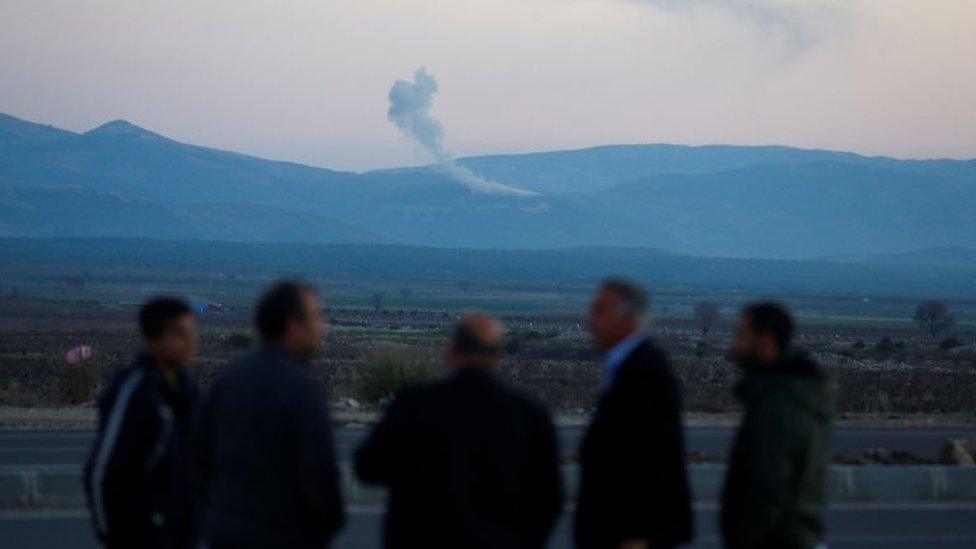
(378, 298)
(934, 317)
(391, 368)
(405, 293)
(707, 313)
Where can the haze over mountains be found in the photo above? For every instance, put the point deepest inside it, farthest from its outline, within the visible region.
(120, 180)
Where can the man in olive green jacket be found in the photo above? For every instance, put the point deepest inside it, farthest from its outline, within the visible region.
(775, 489)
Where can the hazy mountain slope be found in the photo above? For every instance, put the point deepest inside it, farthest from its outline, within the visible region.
(943, 256)
(793, 211)
(78, 212)
(715, 200)
(598, 168)
(14, 130)
(124, 158)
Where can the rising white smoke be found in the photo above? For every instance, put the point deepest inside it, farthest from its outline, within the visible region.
(410, 104)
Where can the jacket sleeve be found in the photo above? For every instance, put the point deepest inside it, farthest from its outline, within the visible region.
(767, 466)
(317, 462)
(546, 500)
(202, 452)
(646, 448)
(376, 459)
(119, 470)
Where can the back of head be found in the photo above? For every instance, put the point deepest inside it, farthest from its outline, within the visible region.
(476, 342)
(276, 306)
(287, 315)
(158, 314)
(169, 331)
(631, 296)
(768, 318)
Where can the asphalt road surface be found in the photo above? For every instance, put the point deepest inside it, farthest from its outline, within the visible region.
(876, 527)
(34, 447)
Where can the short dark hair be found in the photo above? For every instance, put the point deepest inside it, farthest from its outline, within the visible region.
(157, 314)
(632, 295)
(466, 343)
(771, 318)
(276, 305)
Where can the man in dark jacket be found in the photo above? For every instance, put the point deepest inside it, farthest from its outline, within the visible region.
(264, 441)
(468, 462)
(633, 486)
(774, 493)
(138, 475)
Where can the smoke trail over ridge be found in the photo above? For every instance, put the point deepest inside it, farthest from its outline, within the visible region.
(410, 104)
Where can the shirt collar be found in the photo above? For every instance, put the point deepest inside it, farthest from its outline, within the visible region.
(615, 357)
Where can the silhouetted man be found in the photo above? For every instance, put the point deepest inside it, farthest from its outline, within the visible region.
(138, 475)
(633, 487)
(265, 441)
(468, 462)
(774, 493)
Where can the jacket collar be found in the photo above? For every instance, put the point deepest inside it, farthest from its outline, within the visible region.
(145, 363)
(281, 354)
(759, 378)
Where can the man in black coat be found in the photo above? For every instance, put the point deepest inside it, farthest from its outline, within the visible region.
(468, 462)
(633, 486)
(138, 477)
(264, 441)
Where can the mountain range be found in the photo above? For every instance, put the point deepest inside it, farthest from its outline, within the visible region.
(120, 180)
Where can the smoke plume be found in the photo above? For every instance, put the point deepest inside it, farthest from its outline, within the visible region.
(410, 104)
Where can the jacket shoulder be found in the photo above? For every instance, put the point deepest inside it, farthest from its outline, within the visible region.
(130, 380)
(647, 361)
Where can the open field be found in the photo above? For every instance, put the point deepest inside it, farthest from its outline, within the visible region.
(547, 355)
(389, 305)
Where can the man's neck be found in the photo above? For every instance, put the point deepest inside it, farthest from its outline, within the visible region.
(170, 372)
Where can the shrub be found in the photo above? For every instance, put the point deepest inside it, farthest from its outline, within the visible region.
(79, 384)
(885, 346)
(16, 395)
(858, 345)
(391, 368)
(949, 343)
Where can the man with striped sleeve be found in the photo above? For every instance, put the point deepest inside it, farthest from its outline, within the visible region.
(138, 475)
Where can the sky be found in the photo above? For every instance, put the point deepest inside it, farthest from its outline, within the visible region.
(308, 81)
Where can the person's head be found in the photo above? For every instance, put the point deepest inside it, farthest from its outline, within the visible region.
(169, 330)
(764, 333)
(289, 315)
(476, 343)
(618, 310)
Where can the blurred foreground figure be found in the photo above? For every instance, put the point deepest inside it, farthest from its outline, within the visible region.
(265, 443)
(633, 486)
(774, 493)
(138, 475)
(469, 463)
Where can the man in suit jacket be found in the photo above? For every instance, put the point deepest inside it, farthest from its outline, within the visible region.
(633, 485)
(469, 463)
(264, 440)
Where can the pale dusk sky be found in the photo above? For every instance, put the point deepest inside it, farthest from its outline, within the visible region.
(307, 81)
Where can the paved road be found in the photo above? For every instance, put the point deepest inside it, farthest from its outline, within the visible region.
(60, 447)
(896, 527)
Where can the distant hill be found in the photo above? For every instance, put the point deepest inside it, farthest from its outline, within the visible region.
(599, 168)
(550, 269)
(70, 210)
(946, 257)
(776, 202)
